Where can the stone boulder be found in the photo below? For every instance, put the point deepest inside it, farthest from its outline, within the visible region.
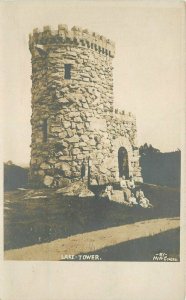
(86, 193)
(77, 188)
(48, 181)
(44, 166)
(63, 166)
(63, 182)
(118, 196)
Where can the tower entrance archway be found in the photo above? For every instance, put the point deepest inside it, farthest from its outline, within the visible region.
(123, 163)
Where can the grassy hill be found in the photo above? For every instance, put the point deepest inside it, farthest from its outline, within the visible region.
(15, 177)
(37, 216)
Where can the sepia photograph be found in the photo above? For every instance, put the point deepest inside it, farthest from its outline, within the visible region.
(94, 105)
(93, 156)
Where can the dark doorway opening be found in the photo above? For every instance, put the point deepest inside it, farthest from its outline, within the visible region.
(123, 162)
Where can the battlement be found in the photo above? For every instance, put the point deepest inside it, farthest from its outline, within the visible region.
(76, 35)
(124, 116)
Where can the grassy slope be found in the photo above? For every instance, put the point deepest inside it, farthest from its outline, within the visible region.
(14, 177)
(30, 221)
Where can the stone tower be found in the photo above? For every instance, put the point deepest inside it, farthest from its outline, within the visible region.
(72, 110)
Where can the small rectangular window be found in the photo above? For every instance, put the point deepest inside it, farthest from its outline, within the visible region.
(68, 71)
(45, 130)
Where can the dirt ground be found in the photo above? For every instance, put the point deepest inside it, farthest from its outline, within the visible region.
(92, 241)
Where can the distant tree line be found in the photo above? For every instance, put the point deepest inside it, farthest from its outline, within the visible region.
(148, 149)
(160, 168)
(14, 176)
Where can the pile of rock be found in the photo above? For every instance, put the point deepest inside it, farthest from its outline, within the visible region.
(77, 188)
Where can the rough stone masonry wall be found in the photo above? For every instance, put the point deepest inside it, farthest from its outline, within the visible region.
(122, 132)
(77, 110)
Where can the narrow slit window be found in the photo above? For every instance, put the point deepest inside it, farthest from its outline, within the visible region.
(68, 71)
(45, 130)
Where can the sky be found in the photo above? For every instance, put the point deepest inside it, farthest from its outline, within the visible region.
(148, 65)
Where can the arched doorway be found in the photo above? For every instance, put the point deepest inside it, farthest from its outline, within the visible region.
(123, 164)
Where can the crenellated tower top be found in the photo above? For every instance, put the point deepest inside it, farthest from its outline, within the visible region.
(76, 36)
(122, 115)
